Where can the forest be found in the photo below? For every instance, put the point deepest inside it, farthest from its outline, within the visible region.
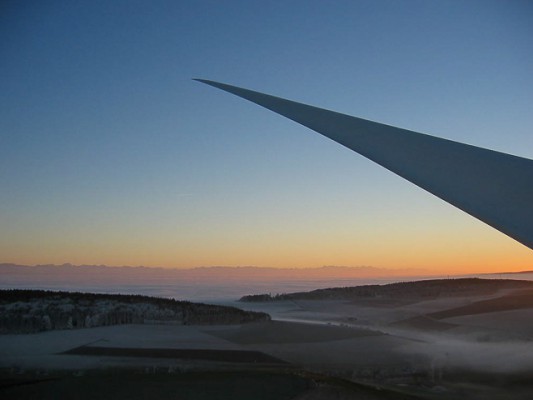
(30, 311)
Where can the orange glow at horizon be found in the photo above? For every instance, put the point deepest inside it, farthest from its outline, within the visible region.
(490, 252)
(406, 237)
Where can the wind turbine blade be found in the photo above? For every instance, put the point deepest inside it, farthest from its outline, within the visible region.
(496, 188)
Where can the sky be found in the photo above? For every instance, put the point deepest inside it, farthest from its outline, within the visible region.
(111, 154)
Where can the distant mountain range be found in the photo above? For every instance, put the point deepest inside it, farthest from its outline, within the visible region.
(13, 274)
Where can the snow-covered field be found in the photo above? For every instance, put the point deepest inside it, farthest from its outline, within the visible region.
(43, 350)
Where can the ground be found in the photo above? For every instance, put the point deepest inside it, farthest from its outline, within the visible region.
(313, 349)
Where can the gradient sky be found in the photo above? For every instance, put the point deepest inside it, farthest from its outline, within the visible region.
(111, 154)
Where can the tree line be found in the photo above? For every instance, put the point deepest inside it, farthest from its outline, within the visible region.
(27, 311)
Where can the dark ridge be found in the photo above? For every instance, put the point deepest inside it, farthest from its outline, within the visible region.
(415, 290)
(24, 295)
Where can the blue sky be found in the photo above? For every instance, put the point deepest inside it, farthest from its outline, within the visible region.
(110, 153)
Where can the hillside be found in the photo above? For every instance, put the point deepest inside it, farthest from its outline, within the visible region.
(513, 301)
(27, 311)
(418, 290)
